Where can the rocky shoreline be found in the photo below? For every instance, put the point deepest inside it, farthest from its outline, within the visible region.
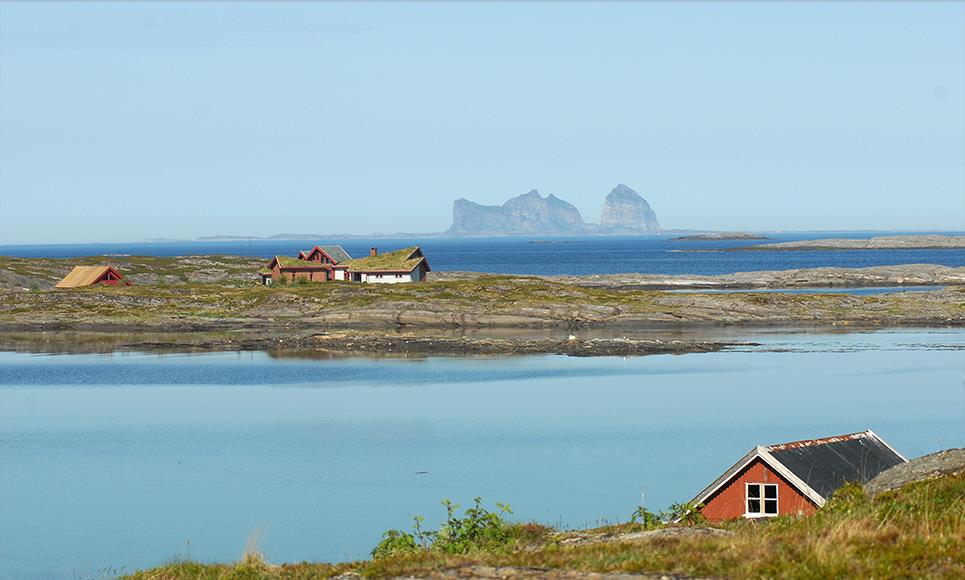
(339, 344)
(830, 278)
(625, 314)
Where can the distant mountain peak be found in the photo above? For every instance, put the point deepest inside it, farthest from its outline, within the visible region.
(625, 210)
(530, 213)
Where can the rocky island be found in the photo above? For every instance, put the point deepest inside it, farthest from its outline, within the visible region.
(624, 211)
(875, 243)
(718, 236)
(212, 303)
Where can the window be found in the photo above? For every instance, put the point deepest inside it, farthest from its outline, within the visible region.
(761, 500)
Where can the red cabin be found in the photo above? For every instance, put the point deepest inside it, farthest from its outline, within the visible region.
(92, 275)
(794, 478)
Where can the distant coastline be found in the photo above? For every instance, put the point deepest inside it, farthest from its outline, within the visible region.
(718, 236)
(873, 243)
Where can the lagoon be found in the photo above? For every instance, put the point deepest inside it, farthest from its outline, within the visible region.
(114, 462)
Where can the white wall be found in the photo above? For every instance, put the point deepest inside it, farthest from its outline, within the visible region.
(391, 278)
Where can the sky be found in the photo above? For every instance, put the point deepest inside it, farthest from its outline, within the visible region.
(123, 121)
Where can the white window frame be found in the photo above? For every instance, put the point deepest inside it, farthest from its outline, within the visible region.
(762, 499)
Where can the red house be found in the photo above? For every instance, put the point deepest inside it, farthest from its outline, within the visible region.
(320, 264)
(794, 478)
(92, 275)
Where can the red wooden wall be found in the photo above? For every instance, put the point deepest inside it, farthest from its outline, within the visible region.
(728, 502)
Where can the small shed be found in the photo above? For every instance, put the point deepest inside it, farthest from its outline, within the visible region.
(92, 275)
(796, 477)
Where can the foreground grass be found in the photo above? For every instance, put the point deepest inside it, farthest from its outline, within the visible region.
(915, 532)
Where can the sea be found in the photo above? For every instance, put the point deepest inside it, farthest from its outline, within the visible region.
(653, 254)
(121, 461)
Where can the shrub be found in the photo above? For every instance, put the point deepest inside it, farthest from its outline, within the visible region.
(395, 542)
(687, 513)
(645, 518)
(478, 529)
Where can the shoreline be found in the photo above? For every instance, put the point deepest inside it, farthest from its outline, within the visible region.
(427, 343)
(210, 304)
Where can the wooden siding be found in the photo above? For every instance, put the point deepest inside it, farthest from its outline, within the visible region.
(728, 502)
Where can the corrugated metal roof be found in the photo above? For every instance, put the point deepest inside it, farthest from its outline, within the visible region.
(82, 276)
(827, 464)
(820, 466)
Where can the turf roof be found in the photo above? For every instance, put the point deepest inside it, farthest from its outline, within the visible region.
(286, 262)
(404, 260)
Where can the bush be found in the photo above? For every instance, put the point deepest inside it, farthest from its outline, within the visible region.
(395, 542)
(687, 513)
(645, 518)
(478, 529)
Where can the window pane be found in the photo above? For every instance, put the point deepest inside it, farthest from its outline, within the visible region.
(770, 506)
(770, 492)
(754, 490)
(753, 506)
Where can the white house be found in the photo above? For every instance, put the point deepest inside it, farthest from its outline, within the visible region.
(405, 265)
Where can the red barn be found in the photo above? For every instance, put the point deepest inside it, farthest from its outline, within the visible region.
(92, 275)
(794, 478)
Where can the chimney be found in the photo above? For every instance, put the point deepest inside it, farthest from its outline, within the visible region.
(373, 252)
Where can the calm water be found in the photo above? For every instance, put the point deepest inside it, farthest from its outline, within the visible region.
(113, 462)
(595, 255)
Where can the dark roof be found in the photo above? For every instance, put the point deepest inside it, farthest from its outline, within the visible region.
(337, 253)
(827, 464)
(817, 467)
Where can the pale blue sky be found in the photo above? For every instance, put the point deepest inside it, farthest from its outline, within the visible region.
(152, 119)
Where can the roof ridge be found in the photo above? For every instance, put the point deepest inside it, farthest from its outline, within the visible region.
(820, 441)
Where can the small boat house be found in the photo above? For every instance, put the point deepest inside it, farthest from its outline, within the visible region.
(82, 276)
(794, 478)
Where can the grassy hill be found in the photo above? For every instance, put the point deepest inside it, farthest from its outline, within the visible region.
(916, 531)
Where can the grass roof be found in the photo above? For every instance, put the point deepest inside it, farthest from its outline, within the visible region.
(286, 262)
(402, 260)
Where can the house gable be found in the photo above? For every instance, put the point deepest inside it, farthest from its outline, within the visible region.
(327, 254)
(813, 469)
(81, 276)
(728, 501)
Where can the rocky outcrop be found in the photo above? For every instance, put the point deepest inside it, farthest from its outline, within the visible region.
(927, 467)
(625, 210)
(875, 243)
(529, 213)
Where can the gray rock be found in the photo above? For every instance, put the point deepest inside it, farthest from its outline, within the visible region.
(625, 210)
(671, 532)
(527, 572)
(529, 213)
(927, 467)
